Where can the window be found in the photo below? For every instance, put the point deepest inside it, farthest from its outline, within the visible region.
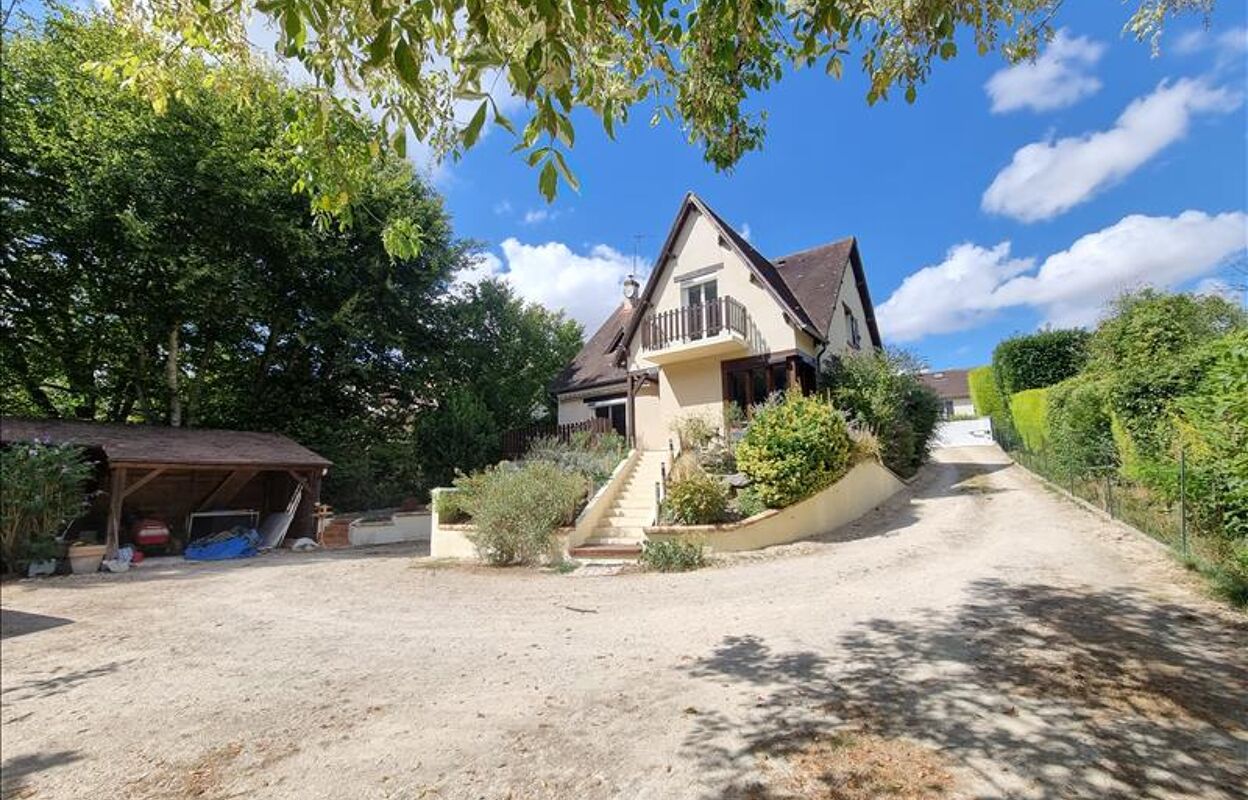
(702, 311)
(851, 328)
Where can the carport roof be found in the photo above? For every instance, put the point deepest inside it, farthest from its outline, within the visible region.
(151, 444)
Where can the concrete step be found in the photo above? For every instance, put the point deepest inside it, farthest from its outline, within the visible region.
(606, 551)
(622, 541)
(633, 532)
(636, 520)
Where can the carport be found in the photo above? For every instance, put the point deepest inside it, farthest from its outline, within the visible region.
(146, 471)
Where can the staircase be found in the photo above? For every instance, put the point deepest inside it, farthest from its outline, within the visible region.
(619, 535)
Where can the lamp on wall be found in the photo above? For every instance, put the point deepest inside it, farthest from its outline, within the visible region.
(631, 287)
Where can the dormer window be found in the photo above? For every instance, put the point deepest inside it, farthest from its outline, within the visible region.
(851, 328)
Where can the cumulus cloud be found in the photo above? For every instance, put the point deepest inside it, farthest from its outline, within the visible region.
(745, 231)
(1047, 178)
(1229, 45)
(585, 286)
(1068, 288)
(1056, 79)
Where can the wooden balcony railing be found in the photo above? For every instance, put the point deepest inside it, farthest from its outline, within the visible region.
(691, 323)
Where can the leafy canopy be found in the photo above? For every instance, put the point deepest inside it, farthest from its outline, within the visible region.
(439, 67)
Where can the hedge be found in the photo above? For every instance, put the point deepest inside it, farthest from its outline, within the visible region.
(1030, 409)
(984, 394)
(1039, 359)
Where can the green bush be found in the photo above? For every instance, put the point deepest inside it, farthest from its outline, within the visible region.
(1080, 434)
(749, 503)
(450, 508)
(1029, 409)
(717, 457)
(1039, 359)
(516, 507)
(881, 392)
(593, 456)
(1212, 425)
(43, 492)
(695, 431)
(986, 395)
(459, 435)
(673, 555)
(696, 499)
(794, 446)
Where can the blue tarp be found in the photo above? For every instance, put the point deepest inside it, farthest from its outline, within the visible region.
(237, 543)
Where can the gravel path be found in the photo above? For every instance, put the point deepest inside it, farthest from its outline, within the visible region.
(980, 636)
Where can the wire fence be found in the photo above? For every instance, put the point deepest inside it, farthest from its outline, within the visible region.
(1171, 522)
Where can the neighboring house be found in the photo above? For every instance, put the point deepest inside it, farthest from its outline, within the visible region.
(716, 322)
(953, 389)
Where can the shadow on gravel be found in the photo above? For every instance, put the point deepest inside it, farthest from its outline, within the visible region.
(20, 623)
(15, 771)
(56, 684)
(1036, 690)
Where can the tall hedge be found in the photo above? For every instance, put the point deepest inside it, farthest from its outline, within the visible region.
(984, 394)
(1039, 359)
(1080, 431)
(1029, 409)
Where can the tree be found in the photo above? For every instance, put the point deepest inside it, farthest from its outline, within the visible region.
(156, 267)
(1037, 360)
(436, 67)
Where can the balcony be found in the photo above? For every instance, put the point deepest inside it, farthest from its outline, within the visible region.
(719, 327)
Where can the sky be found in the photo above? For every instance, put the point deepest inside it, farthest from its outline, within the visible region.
(1003, 200)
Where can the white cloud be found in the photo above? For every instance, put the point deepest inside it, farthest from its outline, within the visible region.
(485, 265)
(1070, 287)
(1229, 45)
(586, 287)
(1056, 79)
(745, 231)
(535, 216)
(1047, 178)
(502, 207)
(1216, 287)
(949, 296)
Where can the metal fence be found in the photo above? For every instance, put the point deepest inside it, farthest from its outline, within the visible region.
(1168, 521)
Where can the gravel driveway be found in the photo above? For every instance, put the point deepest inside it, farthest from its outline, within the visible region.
(979, 637)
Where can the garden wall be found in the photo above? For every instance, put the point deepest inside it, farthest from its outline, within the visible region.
(863, 488)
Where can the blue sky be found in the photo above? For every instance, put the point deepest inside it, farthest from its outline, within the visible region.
(1153, 195)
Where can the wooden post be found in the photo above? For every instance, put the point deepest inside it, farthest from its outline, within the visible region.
(116, 492)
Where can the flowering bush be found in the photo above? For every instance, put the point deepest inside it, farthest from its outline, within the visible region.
(516, 507)
(43, 493)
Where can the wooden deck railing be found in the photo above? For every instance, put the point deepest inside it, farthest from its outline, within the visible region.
(516, 442)
(690, 323)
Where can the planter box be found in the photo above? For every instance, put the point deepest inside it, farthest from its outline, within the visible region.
(85, 559)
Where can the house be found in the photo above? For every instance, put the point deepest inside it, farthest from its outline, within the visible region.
(952, 387)
(717, 322)
(185, 477)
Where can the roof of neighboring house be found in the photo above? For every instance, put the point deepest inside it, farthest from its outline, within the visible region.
(806, 284)
(151, 444)
(598, 362)
(949, 383)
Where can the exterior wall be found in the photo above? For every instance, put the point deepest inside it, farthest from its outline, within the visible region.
(696, 247)
(401, 527)
(574, 410)
(963, 406)
(863, 488)
(689, 388)
(448, 541)
(648, 425)
(838, 329)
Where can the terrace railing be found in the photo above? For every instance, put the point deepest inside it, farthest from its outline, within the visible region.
(691, 323)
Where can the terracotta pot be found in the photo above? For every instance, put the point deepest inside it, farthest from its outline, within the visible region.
(85, 559)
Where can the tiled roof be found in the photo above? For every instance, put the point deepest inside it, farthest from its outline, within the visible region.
(597, 363)
(948, 383)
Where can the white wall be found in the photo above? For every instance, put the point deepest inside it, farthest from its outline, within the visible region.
(838, 328)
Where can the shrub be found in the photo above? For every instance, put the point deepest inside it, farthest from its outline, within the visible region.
(673, 555)
(749, 503)
(515, 508)
(1039, 359)
(718, 457)
(449, 506)
(694, 431)
(1029, 408)
(1212, 425)
(1080, 434)
(43, 493)
(881, 392)
(593, 456)
(793, 447)
(696, 499)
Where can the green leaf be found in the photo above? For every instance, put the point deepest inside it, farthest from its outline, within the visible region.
(547, 182)
(293, 27)
(568, 177)
(405, 63)
(379, 47)
(473, 131)
(948, 50)
(911, 94)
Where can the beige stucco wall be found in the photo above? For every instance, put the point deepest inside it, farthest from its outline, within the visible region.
(863, 488)
(696, 247)
(838, 329)
(689, 388)
(648, 418)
